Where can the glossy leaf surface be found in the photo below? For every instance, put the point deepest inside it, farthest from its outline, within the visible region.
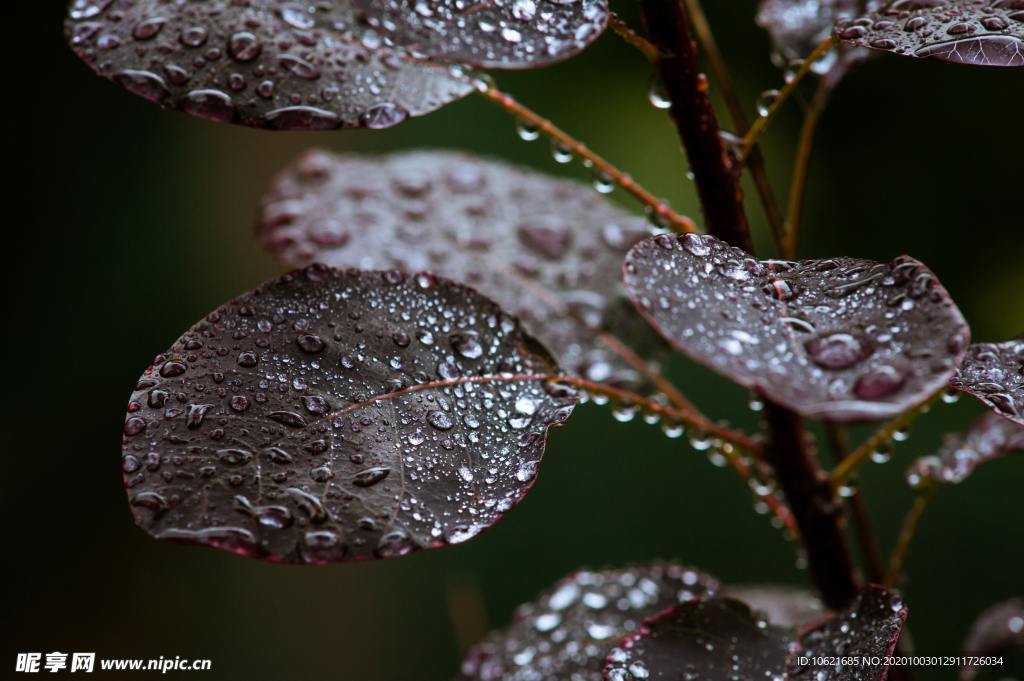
(570, 629)
(994, 373)
(714, 640)
(975, 32)
(870, 627)
(798, 26)
(340, 415)
(840, 339)
(264, 63)
(784, 606)
(500, 34)
(990, 437)
(547, 250)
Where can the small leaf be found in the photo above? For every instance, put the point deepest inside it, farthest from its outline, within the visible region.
(839, 339)
(990, 437)
(996, 631)
(798, 26)
(714, 640)
(260, 63)
(502, 34)
(994, 373)
(340, 415)
(544, 249)
(569, 630)
(784, 606)
(870, 627)
(976, 32)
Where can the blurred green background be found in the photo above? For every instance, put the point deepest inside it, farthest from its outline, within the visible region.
(141, 221)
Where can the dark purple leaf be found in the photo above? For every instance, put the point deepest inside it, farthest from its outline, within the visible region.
(976, 32)
(569, 630)
(996, 631)
(990, 437)
(714, 640)
(839, 339)
(868, 628)
(265, 63)
(546, 250)
(994, 373)
(784, 606)
(500, 34)
(340, 415)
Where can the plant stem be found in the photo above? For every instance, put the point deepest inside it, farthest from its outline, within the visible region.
(660, 381)
(687, 88)
(762, 122)
(801, 165)
(861, 521)
(813, 503)
(633, 38)
(910, 524)
(848, 466)
(755, 164)
(658, 208)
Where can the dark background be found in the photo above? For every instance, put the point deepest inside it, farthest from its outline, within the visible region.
(140, 222)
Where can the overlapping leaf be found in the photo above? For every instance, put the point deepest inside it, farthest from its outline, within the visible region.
(994, 373)
(714, 640)
(783, 606)
(340, 415)
(721, 639)
(265, 63)
(997, 630)
(840, 339)
(569, 630)
(990, 437)
(869, 628)
(976, 32)
(500, 34)
(544, 249)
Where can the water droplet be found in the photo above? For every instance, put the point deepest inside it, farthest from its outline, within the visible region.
(765, 102)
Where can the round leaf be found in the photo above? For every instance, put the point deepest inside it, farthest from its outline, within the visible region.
(990, 437)
(501, 34)
(870, 627)
(340, 415)
(976, 32)
(544, 249)
(264, 63)
(997, 630)
(715, 640)
(784, 606)
(994, 373)
(569, 630)
(839, 339)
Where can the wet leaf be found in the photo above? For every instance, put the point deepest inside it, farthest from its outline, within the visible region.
(990, 437)
(976, 32)
(783, 606)
(994, 373)
(840, 339)
(264, 63)
(545, 249)
(996, 631)
(340, 415)
(714, 640)
(569, 630)
(870, 627)
(798, 26)
(501, 34)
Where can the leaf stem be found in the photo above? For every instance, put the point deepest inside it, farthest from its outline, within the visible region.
(848, 466)
(633, 38)
(861, 521)
(910, 524)
(713, 169)
(801, 165)
(755, 164)
(659, 209)
(813, 503)
(762, 122)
